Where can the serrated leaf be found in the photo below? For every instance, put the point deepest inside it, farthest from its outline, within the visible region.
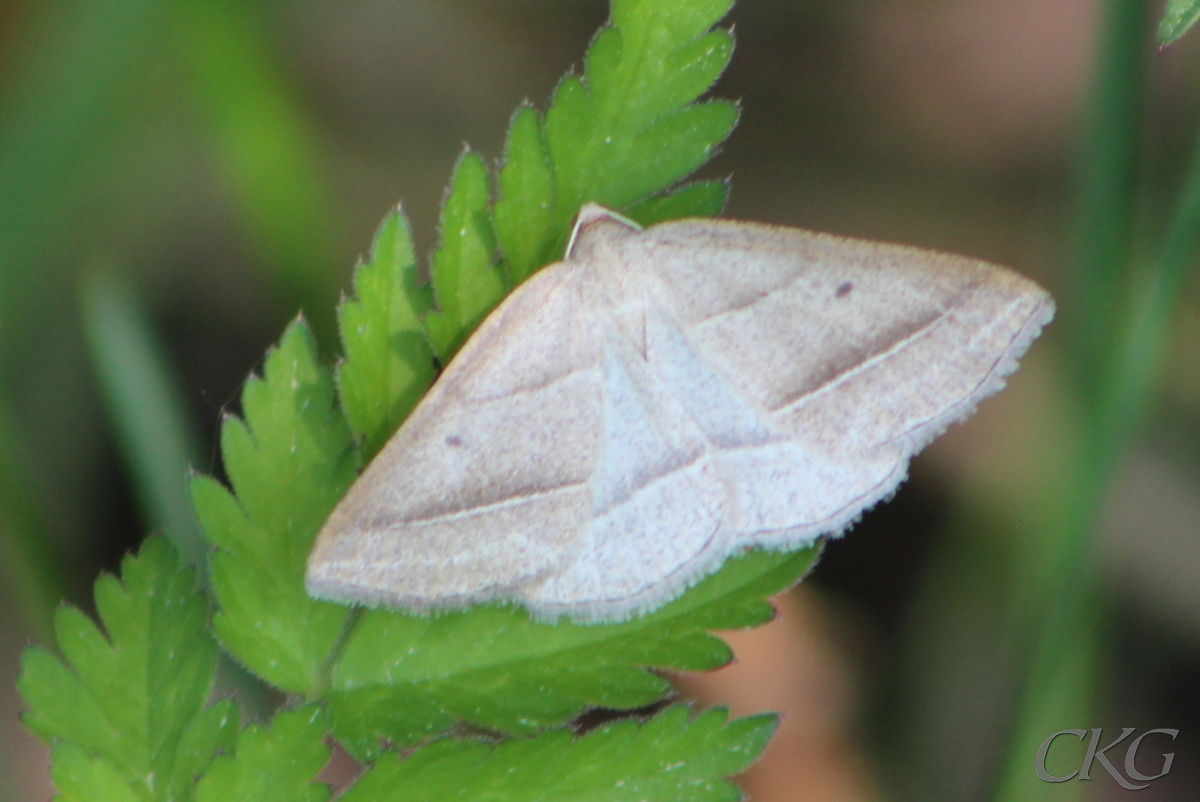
(403, 678)
(683, 140)
(669, 758)
(212, 732)
(388, 363)
(81, 778)
(524, 214)
(129, 702)
(275, 764)
(1178, 18)
(701, 199)
(466, 282)
(628, 86)
(289, 462)
(624, 131)
(621, 132)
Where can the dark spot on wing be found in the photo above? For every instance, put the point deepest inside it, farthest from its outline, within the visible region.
(844, 289)
(454, 441)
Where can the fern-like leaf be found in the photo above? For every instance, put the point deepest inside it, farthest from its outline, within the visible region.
(669, 757)
(275, 764)
(622, 133)
(289, 462)
(126, 706)
(79, 777)
(701, 199)
(466, 280)
(627, 129)
(388, 364)
(403, 678)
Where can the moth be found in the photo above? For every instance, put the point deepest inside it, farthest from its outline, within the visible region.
(662, 399)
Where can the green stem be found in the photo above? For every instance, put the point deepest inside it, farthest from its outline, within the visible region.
(1107, 187)
(325, 674)
(1066, 643)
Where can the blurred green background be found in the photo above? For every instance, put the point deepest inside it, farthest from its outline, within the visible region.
(177, 179)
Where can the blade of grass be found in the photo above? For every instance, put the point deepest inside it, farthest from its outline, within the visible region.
(1107, 189)
(1063, 666)
(158, 442)
(1154, 306)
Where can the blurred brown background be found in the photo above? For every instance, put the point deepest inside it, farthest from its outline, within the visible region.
(231, 161)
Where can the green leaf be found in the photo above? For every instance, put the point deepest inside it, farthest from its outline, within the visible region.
(1178, 18)
(466, 282)
(525, 213)
(80, 778)
(128, 703)
(388, 364)
(634, 79)
(623, 131)
(272, 765)
(212, 732)
(403, 678)
(289, 462)
(670, 757)
(701, 199)
(400, 679)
